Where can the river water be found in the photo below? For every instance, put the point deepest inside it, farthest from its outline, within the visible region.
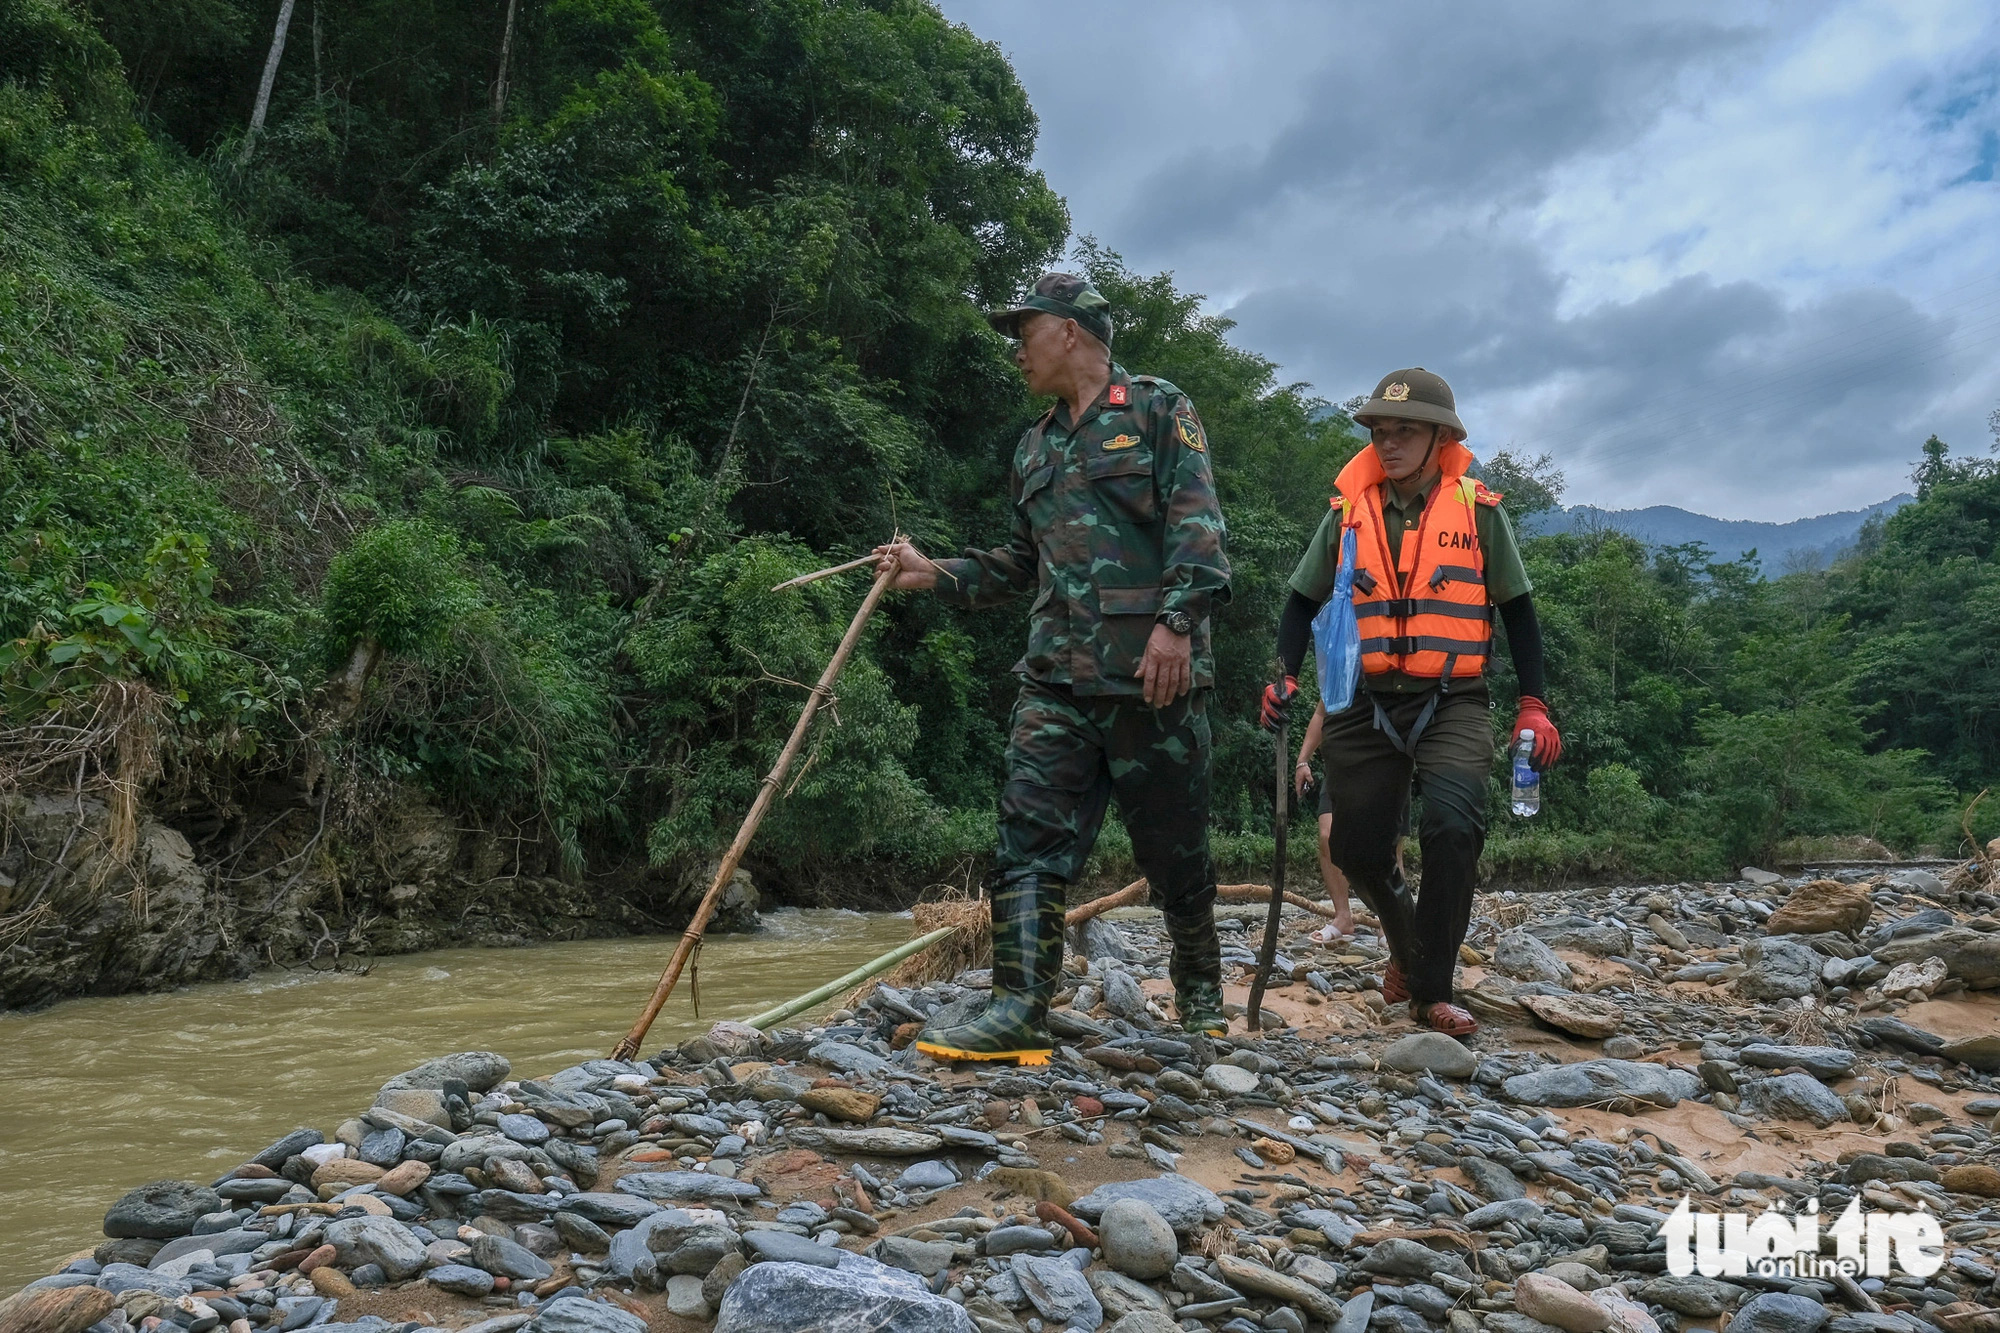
(98, 1096)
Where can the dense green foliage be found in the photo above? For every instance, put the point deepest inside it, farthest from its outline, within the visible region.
(515, 413)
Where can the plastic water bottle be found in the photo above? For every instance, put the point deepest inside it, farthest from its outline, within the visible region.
(1527, 782)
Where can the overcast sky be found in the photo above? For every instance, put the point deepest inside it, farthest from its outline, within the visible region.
(1739, 258)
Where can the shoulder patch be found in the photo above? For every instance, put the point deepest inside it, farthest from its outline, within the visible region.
(1118, 395)
(1191, 433)
(1491, 499)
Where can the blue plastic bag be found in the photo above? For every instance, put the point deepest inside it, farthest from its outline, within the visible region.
(1336, 635)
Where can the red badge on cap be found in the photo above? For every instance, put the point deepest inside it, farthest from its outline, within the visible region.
(1119, 395)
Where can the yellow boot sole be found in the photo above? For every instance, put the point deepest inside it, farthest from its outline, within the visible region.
(1027, 1057)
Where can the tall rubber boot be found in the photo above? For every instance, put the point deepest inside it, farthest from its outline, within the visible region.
(1027, 963)
(1196, 971)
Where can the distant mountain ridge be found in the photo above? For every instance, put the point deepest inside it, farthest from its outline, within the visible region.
(1805, 542)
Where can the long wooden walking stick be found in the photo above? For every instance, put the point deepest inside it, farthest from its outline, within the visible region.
(629, 1046)
(1281, 811)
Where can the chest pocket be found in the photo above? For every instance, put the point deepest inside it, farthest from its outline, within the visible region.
(1035, 492)
(1123, 482)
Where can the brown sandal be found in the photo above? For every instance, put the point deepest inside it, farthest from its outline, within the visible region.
(1394, 989)
(1451, 1019)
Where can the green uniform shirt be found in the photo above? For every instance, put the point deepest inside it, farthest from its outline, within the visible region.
(1115, 523)
(1506, 576)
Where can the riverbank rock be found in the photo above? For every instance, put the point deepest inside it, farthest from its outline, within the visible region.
(1972, 956)
(857, 1297)
(1137, 1241)
(1612, 1083)
(479, 1071)
(1525, 958)
(1431, 1053)
(1181, 1202)
(1779, 968)
(1822, 905)
(1578, 1015)
(161, 1210)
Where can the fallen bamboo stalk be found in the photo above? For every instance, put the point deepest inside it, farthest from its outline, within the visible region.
(860, 974)
(628, 1047)
(1134, 895)
(828, 572)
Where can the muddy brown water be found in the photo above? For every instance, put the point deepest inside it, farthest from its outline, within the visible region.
(100, 1095)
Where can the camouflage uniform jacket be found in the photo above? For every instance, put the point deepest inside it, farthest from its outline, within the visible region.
(1115, 523)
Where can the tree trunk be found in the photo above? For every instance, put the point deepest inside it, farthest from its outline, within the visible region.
(270, 77)
(343, 690)
(506, 57)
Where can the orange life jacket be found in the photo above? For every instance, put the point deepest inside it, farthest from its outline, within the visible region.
(1422, 610)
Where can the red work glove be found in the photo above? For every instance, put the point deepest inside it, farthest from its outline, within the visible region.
(1534, 716)
(1277, 703)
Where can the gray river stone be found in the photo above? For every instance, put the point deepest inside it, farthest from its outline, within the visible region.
(161, 1210)
(288, 1147)
(865, 1142)
(1520, 955)
(218, 1243)
(118, 1278)
(1795, 1096)
(1398, 1257)
(862, 1297)
(524, 1129)
(1003, 1241)
(1595, 1082)
(1184, 1204)
(376, 1240)
(1058, 1291)
(479, 1071)
(1778, 968)
(1525, 1211)
(1779, 1312)
(506, 1258)
(1819, 1061)
(609, 1210)
(849, 1059)
(685, 1186)
(254, 1191)
(460, 1279)
(1431, 1053)
(577, 1315)
(1137, 1241)
(1492, 1180)
(1696, 1296)
(784, 1247)
(925, 1258)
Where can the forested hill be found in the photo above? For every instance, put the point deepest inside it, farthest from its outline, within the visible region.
(443, 440)
(1804, 543)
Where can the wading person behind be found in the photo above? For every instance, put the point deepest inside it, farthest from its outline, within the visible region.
(1117, 532)
(1434, 556)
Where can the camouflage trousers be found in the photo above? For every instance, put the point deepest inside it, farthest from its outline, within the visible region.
(1069, 756)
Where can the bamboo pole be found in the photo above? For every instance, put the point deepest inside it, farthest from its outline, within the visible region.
(854, 978)
(828, 572)
(628, 1047)
(1135, 895)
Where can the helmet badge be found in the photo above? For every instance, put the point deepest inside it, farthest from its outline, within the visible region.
(1396, 393)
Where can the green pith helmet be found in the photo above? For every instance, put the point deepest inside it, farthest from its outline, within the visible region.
(1413, 395)
(1065, 296)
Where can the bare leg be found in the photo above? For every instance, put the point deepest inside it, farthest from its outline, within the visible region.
(1342, 924)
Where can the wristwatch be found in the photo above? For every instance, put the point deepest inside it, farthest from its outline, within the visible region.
(1179, 622)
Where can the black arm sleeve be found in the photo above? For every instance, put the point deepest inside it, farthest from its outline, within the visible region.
(1524, 643)
(1295, 628)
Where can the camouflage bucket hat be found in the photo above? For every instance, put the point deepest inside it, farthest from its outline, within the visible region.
(1064, 295)
(1413, 395)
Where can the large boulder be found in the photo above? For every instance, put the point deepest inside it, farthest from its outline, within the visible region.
(375, 1240)
(161, 1211)
(479, 1071)
(860, 1296)
(1822, 905)
(1970, 955)
(1778, 969)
